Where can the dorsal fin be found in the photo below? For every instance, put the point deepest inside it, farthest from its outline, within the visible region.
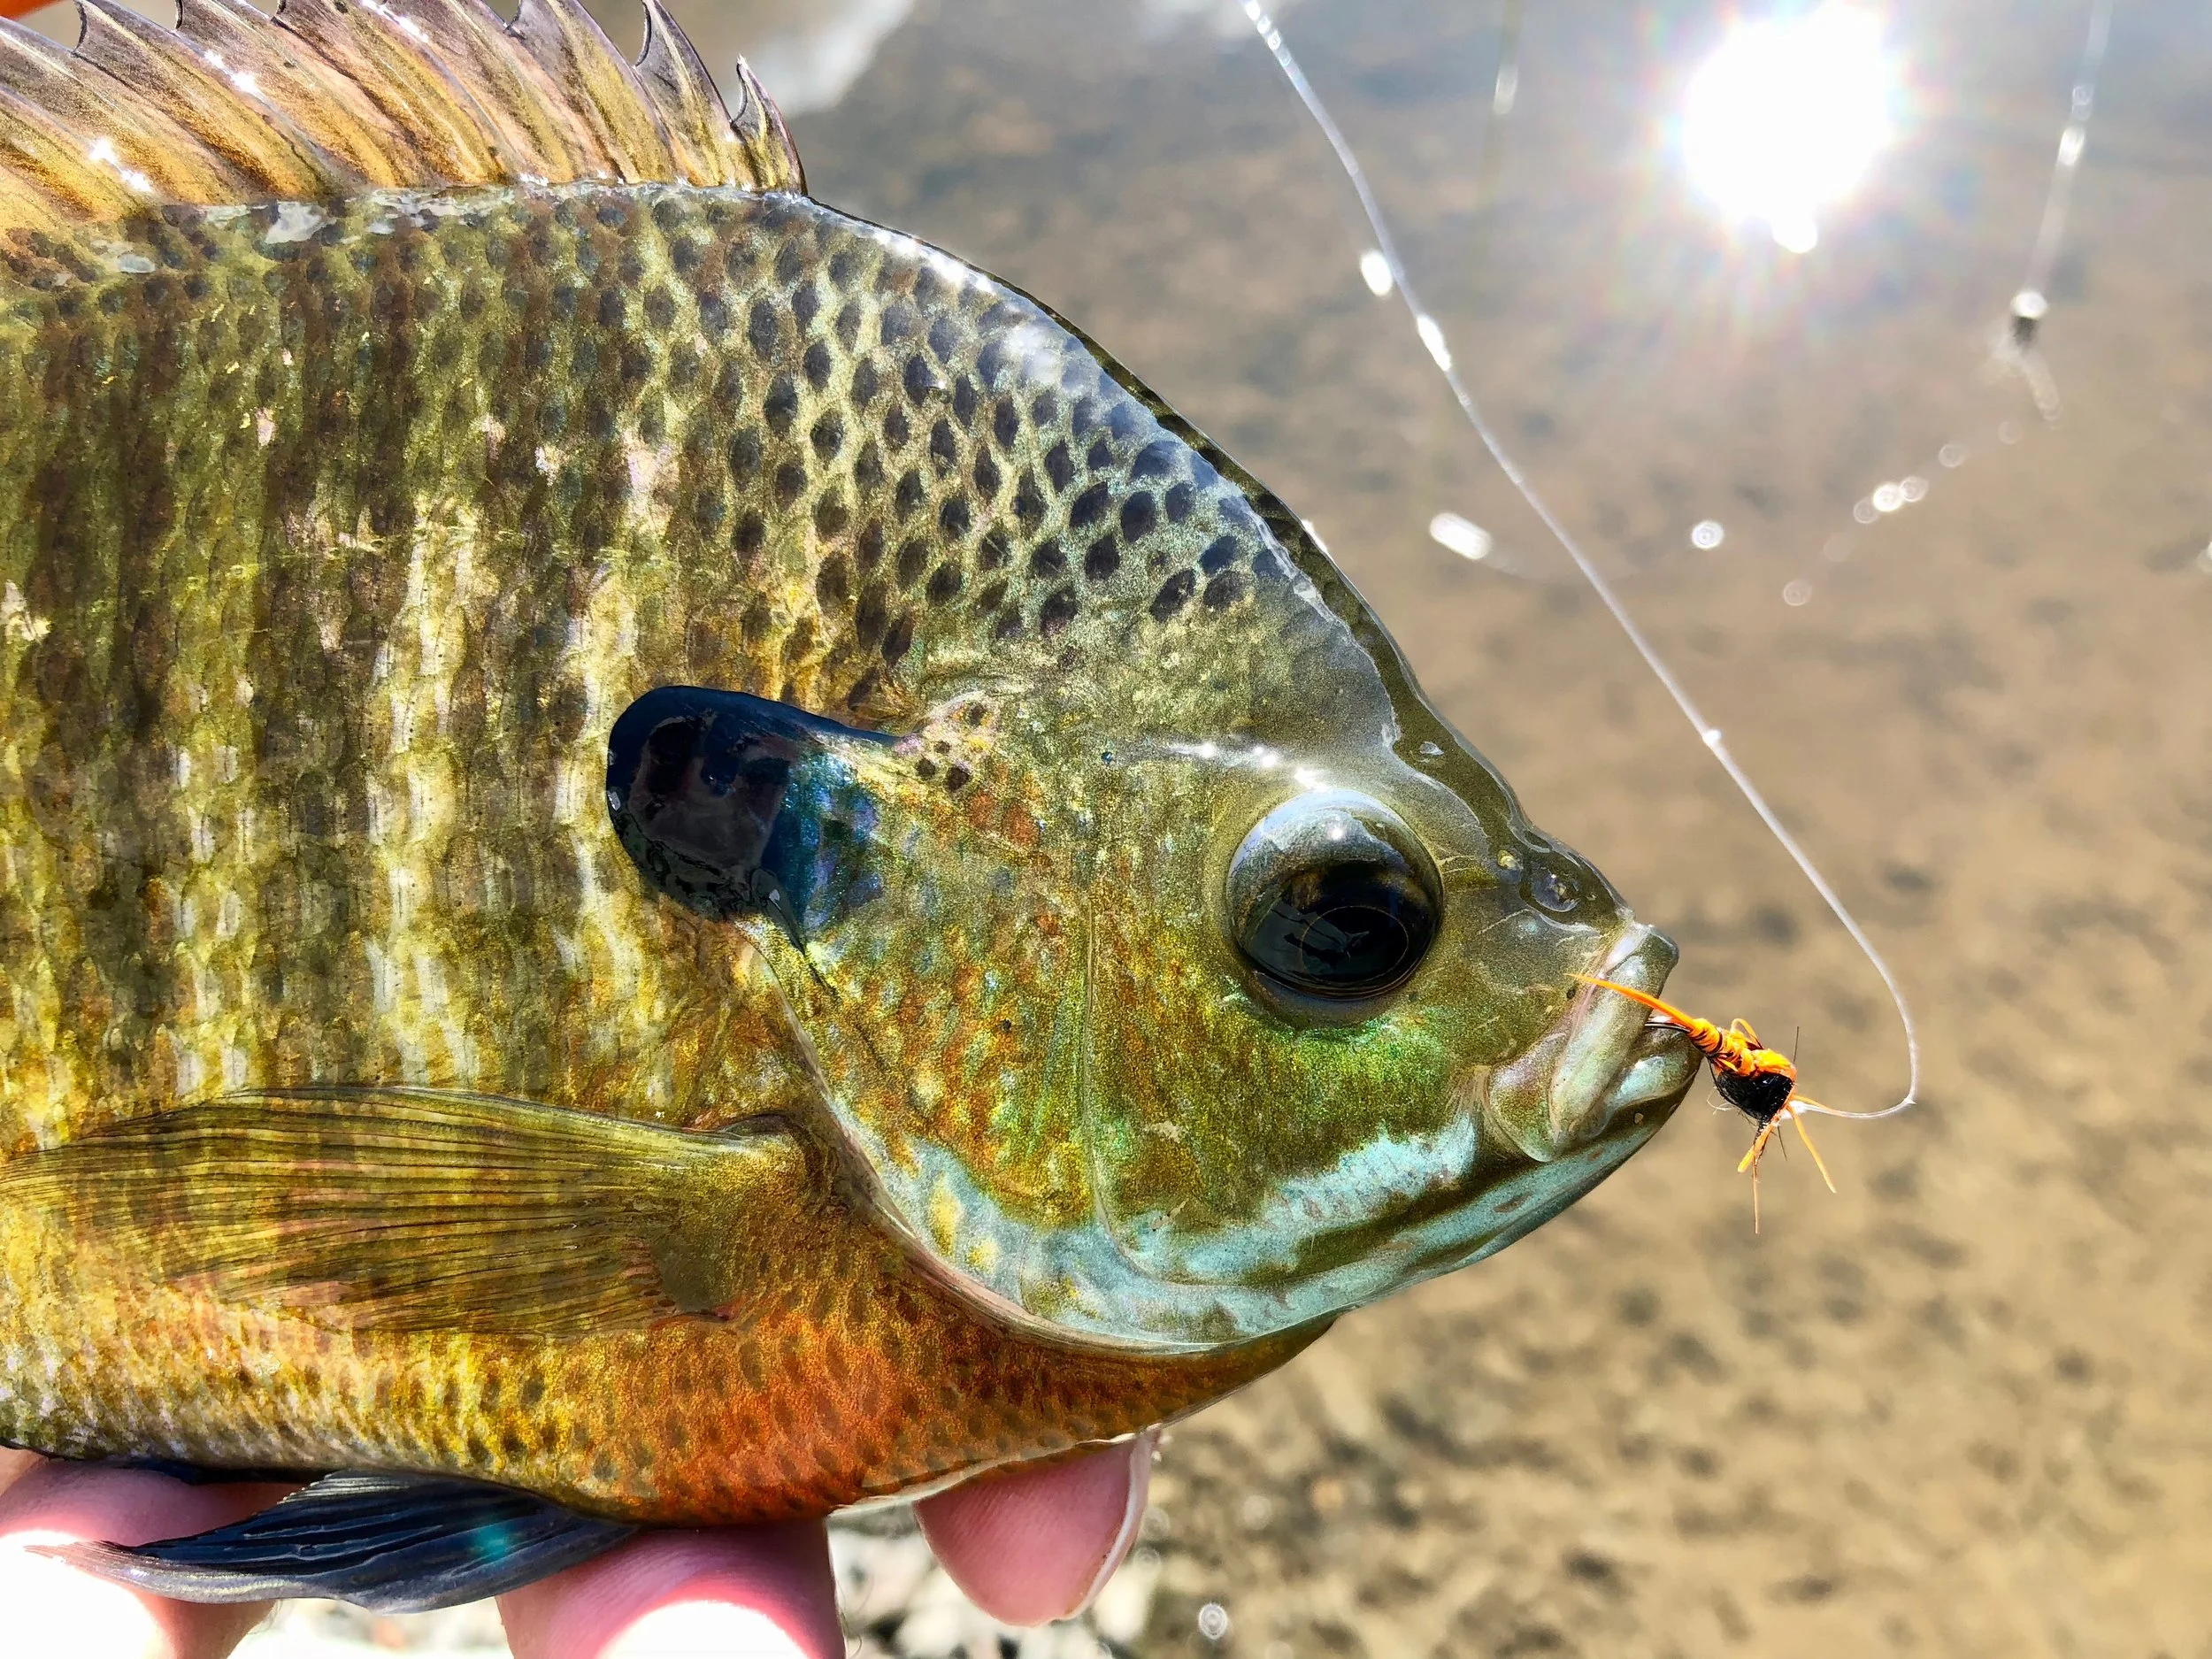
(332, 96)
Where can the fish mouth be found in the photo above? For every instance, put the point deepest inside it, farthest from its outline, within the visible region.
(1603, 1063)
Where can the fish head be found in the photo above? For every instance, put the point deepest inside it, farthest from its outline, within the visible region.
(1173, 973)
(1197, 999)
(1335, 1041)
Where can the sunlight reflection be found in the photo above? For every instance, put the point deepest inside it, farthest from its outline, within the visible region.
(1784, 118)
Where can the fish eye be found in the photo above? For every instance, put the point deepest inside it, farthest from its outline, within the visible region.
(1330, 896)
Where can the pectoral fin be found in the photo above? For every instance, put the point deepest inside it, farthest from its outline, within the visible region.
(403, 1210)
(391, 1543)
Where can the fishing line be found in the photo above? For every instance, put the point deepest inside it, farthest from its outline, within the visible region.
(1432, 337)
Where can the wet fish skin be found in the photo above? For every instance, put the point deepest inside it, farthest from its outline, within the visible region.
(341, 535)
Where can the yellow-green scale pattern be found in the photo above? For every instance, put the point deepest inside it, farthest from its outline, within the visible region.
(339, 537)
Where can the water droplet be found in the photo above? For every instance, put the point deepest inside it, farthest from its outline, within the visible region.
(2008, 432)
(1913, 489)
(1864, 512)
(1952, 455)
(2204, 559)
(2030, 306)
(1460, 535)
(1836, 548)
(1707, 533)
(1374, 270)
(1888, 497)
(1433, 337)
(1797, 593)
(1213, 1622)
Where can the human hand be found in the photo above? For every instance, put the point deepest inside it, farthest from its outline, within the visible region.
(1028, 1546)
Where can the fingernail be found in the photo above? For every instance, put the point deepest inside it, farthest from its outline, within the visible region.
(1132, 1516)
(704, 1630)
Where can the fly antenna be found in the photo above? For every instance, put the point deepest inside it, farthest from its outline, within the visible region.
(1433, 340)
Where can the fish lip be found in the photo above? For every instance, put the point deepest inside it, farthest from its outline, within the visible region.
(1600, 1059)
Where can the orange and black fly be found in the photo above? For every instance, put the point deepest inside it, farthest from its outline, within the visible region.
(1758, 1081)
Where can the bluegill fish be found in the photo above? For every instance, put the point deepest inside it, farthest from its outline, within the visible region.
(665, 857)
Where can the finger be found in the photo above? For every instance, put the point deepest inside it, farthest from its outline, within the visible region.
(14, 1465)
(736, 1593)
(1030, 1545)
(52, 1606)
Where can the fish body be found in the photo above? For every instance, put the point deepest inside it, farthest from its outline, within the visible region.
(665, 848)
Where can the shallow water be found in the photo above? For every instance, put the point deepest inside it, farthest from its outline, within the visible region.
(1954, 1411)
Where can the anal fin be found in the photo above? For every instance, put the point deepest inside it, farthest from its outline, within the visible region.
(392, 1543)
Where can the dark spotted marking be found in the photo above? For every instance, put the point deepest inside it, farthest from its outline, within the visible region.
(1090, 506)
(745, 455)
(1225, 589)
(1006, 424)
(921, 379)
(964, 401)
(1059, 466)
(957, 777)
(782, 405)
(896, 430)
(955, 516)
(1139, 514)
(831, 515)
(1102, 559)
(1029, 506)
(818, 363)
(898, 323)
(868, 470)
(899, 638)
(872, 615)
(944, 584)
(828, 437)
(790, 483)
(1174, 593)
(913, 560)
(944, 448)
(868, 545)
(867, 381)
(762, 328)
(986, 475)
(1048, 558)
(1046, 409)
(944, 334)
(997, 550)
(1156, 459)
(806, 305)
(992, 598)
(1099, 457)
(1220, 554)
(1056, 612)
(751, 535)
(1181, 499)
(912, 495)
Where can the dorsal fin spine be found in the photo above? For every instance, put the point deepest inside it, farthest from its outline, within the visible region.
(235, 107)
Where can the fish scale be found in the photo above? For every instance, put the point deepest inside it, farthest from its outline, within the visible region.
(664, 848)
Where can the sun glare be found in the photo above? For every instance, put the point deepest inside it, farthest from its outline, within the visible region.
(1782, 118)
